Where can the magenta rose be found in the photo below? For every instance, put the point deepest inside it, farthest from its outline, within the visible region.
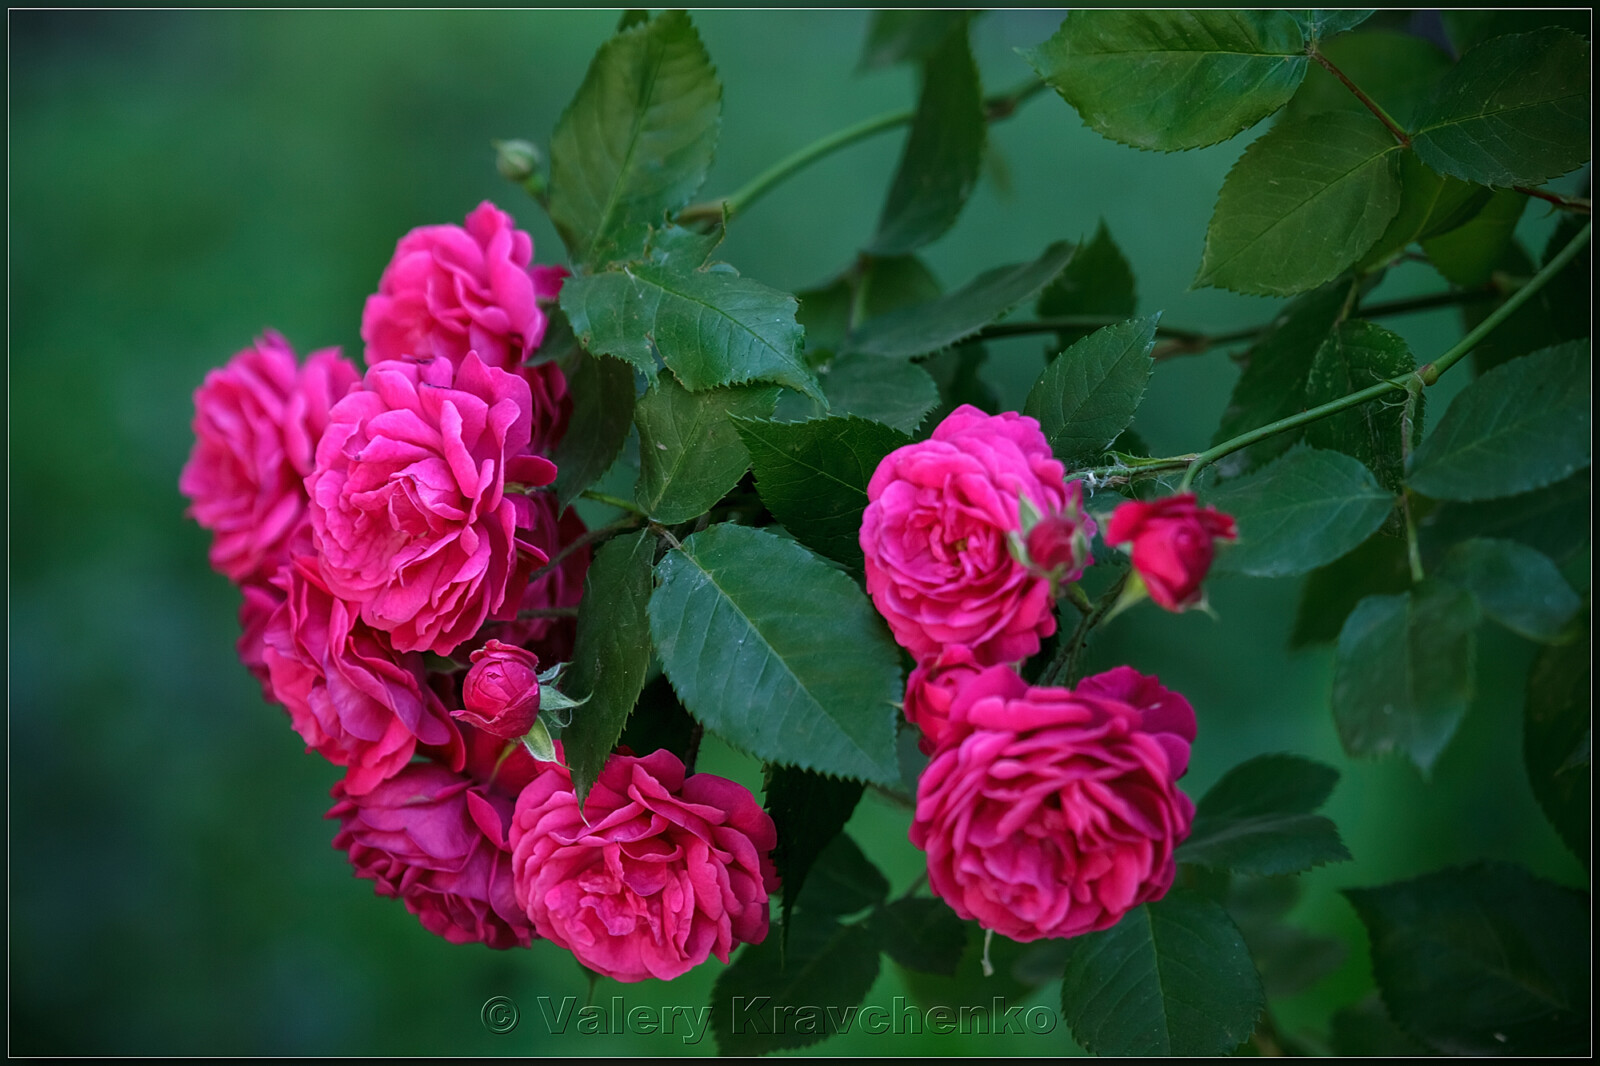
(449, 290)
(1058, 544)
(938, 534)
(260, 602)
(256, 426)
(408, 499)
(1172, 543)
(501, 691)
(1049, 812)
(352, 698)
(658, 873)
(932, 688)
(550, 636)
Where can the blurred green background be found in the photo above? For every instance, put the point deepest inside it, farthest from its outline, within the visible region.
(180, 181)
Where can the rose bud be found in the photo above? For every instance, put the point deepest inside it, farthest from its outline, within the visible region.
(501, 692)
(1171, 544)
(1058, 543)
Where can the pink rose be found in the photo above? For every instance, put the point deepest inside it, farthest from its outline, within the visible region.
(260, 601)
(549, 636)
(256, 426)
(1051, 813)
(657, 873)
(501, 691)
(352, 698)
(449, 290)
(1058, 544)
(938, 531)
(408, 502)
(1172, 544)
(436, 840)
(932, 688)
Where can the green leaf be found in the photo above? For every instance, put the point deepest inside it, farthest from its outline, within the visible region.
(940, 323)
(1357, 355)
(1429, 205)
(689, 453)
(970, 987)
(797, 993)
(902, 36)
(842, 881)
(955, 372)
(636, 141)
(939, 166)
(1482, 960)
(659, 721)
(602, 393)
(1322, 24)
(1514, 111)
(1555, 738)
(1288, 958)
(1331, 592)
(1305, 201)
(1515, 585)
(1469, 254)
(778, 653)
(1090, 392)
(886, 284)
(1402, 674)
(883, 390)
(921, 934)
(711, 327)
(1258, 820)
(1469, 28)
(1171, 80)
(1558, 312)
(1299, 512)
(1522, 425)
(813, 477)
(1173, 977)
(1553, 520)
(1098, 281)
(1273, 382)
(1367, 1031)
(809, 810)
(1398, 70)
(611, 655)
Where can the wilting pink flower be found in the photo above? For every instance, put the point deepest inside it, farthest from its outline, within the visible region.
(932, 688)
(937, 532)
(1049, 812)
(449, 290)
(501, 691)
(408, 502)
(352, 698)
(256, 426)
(658, 873)
(1172, 544)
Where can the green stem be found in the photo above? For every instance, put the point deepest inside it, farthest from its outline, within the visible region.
(1575, 204)
(612, 501)
(1407, 428)
(1065, 664)
(600, 533)
(1370, 104)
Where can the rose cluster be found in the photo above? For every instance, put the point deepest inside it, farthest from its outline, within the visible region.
(403, 578)
(1044, 811)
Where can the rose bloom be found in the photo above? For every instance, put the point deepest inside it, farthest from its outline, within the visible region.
(932, 688)
(659, 871)
(408, 502)
(436, 840)
(549, 637)
(256, 426)
(936, 533)
(352, 698)
(1050, 812)
(501, 691)
(1172, 544)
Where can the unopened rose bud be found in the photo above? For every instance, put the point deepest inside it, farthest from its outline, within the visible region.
(517, 160)
(1058, 544)
(501, 692)
(1172, 543)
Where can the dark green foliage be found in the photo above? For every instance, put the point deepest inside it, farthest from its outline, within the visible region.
(1090, 392)
(809, 810)
(689, 453)
(1357, 355)
(1556, 737)
(1258, 819)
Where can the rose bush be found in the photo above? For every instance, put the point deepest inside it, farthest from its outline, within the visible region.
(1172, 541)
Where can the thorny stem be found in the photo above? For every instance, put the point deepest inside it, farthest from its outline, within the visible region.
(601, 533)
(1370, 104)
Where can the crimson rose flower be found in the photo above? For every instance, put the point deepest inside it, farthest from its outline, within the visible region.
(1171, 544)
(501, 691)
(408, 502)
(1049, 812)
(658, 872)
(937, 534)
(256, 426)
(932, 688)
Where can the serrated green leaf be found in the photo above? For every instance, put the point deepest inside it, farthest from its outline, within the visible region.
(1273, 382)
(809, 810)
(1173, 977)
(1553, 520)
(921, 934)
(813, 477)
(611, 654)
(1402, 674)
(1305, 201)
(1299, 512)
(1514, 585)
(658, 721)
(1171, 80)
(939, 166)
(1357, 355)
(1482, 960)
(636, 141)
(689, 453)
(905, 36)
(1397, 70)
(886, 284)
(778, 653)
(1556, 734)
(796, 994)
(884, 390)
(1469, 254)
(1258, 820)
(1366, 1030)
(1430, 205)
(1098, 281)
(1514, 111)
(710, 326)
(940, 323)
(1331, 592)
(1521, 426)
(1090, 393)
(842, 881)
(602, 393)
